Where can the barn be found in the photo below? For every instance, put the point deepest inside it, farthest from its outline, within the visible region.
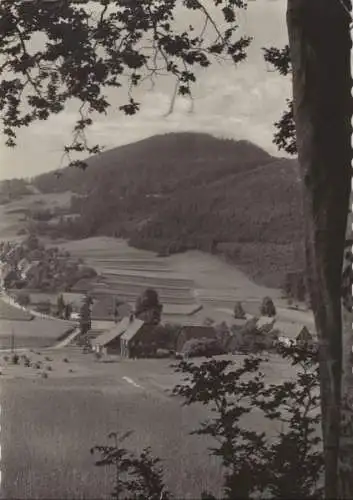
(140, 339)
(109, 342)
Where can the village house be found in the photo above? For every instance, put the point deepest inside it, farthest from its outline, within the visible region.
(109, 342)
(130, 338)
(294, 333)
(191, 332)
(139, 339)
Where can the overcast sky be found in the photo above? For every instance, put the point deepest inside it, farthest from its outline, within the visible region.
(238, 102)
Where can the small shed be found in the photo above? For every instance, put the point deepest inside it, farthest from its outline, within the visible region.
(109, 342)
(190, 332)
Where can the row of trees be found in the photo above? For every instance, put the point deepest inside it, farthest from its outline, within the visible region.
(267, 308)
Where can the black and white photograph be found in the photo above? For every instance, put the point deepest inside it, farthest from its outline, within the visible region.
(176, 250)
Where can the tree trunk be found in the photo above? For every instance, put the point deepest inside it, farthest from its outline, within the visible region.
(345, 472)
(319, 41)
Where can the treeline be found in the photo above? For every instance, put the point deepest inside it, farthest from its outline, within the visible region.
(191, 191)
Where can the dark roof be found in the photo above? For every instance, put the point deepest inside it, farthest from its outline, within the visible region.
(304, 334)
(133, 327)
(117, 331)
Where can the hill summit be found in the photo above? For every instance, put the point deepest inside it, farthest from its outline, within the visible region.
(180, 191)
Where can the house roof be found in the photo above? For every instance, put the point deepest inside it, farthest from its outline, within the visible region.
(304, 334)
(112, 334)
(291, 330)
(133, 327)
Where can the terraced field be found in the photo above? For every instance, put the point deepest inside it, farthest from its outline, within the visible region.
(126, 272)
(192, 286)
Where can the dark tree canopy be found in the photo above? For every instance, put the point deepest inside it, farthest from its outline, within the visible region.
(148, 307)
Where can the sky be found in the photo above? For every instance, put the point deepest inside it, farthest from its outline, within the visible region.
(239, 102)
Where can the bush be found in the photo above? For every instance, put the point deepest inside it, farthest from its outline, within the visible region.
(267, 307)
(202, 347)
(239, 312)
(289, 466)
(254, 466)
(15, 359)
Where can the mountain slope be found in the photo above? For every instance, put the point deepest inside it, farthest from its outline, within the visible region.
(178, 191)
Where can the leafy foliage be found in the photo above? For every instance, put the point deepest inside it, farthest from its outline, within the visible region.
(85, 315)
(148, 308)
(285, 137)
(136, 477)
(288, 466)
(267, 307)
(202, 347)
(88, 49)
(239, 312)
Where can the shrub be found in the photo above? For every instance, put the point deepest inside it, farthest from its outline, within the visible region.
(136, 477)
(23, 299)
(254, 466)
(239, 312)
(202, 347)
(267, 307)
(15, 359)
(289, 466)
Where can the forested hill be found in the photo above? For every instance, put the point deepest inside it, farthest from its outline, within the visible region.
(188, 190)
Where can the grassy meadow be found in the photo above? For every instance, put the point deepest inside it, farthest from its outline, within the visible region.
(50, 424)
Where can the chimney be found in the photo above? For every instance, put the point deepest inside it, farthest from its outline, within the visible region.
(131, 319)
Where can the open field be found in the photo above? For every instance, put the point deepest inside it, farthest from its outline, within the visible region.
(35, 333)
(184, 281)
(45, 446)
(11, 313)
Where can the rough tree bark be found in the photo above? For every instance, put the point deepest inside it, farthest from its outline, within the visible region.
(345, 466)
(319, 41)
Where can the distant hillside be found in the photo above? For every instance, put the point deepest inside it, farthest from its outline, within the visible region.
(178, 191)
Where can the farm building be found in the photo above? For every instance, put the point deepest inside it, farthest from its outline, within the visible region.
(129, 338)
(294, 332)
(109, 342)
(190, 332)
(139, 339)
(304, 337)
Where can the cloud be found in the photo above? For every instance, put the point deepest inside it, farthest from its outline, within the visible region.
(236, 102)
